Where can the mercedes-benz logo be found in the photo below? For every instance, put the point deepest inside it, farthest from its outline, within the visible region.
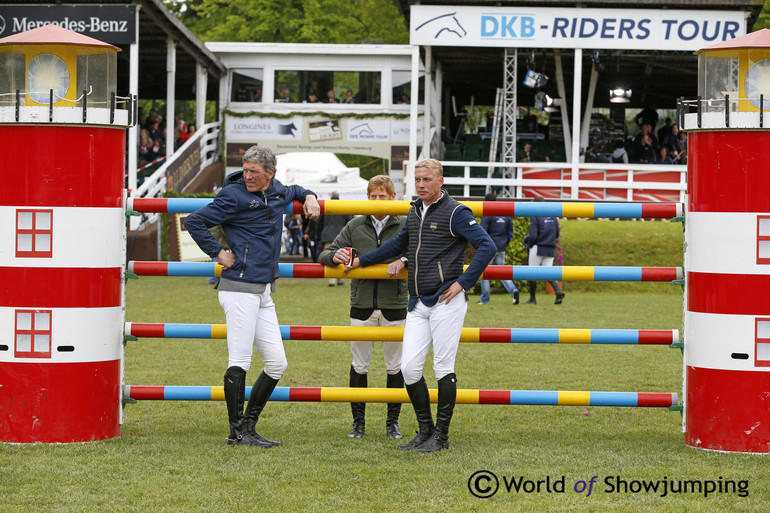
(2, 24)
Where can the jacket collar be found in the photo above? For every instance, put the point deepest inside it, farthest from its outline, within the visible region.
(417, 204)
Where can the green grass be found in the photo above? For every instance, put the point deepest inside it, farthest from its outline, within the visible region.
(172, 455)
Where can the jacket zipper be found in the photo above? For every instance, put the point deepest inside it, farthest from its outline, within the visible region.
(376, 282)
(417, 251)
(245, 259)
(272, 235)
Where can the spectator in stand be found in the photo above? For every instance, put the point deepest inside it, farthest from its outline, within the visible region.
(672, 142)
(681, 157)
(647, 150)
(649, 114)
(646, 144)
(664, 158)
(529, 155)
(155, 130)
(286, 98)
(144, 147)
(330, 97)
(665, 131)
(349, 97)
(312, 98)
(157, 150)
(179, 127)
(619, 155)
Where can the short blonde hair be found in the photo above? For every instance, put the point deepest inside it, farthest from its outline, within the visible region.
(433, 164)
(382, 181)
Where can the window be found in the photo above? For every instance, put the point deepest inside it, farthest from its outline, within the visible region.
(763, 239)
(328, 86)
(762, 340)
(402, 87)
(34, 233)
(33, 334)
(246, 85)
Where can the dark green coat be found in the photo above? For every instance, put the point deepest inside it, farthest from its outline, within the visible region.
(361, 235)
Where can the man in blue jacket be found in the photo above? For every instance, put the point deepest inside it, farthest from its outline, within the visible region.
(435, 236)
(541, 244)
(500, 228)
(250, 210)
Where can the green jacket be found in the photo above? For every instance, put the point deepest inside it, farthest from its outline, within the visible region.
(361, 235)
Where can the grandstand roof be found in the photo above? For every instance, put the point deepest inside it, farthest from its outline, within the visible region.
(653, 75)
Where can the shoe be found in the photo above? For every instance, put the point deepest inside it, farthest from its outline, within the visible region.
(531, 301)
(480, 303)
(340, 282)
(559, 298)
(435, 443)
(357, 431)
(516, 297)
(392, 431)
(421, 438)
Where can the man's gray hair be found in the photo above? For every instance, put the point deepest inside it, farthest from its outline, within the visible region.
(261, 155)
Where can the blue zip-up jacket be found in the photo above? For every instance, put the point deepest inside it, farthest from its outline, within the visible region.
(500, 228)
(252, 222)
(543, 233)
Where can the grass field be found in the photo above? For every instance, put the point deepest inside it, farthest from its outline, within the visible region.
(172, 455)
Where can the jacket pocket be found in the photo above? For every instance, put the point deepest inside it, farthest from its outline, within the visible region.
(440, 272)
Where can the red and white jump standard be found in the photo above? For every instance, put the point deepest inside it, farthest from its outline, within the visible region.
(62, 239)
(727, 250)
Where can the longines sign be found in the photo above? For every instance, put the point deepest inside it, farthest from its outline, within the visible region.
(114, 24)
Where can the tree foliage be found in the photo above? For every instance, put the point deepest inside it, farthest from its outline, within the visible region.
(763, 20)
(293, 21)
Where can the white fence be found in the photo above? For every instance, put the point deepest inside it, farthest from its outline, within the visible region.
(208, 138)
(583, 181)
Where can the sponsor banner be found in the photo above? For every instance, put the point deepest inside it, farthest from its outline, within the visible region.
(399, 131)
(368, 130)
(188, 248)
(184, 168)
(114, 24)
(324, 130)
(264, 129)
(530, 27)
(370, 136)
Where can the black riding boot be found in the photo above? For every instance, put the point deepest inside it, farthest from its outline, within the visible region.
(260, 393)
(532, 286)
(235, 381)
(358, 409)
(394, 409)
(557, 290)
(420, 397)
(447, 394)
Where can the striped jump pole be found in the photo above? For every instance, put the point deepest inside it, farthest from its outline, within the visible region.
(492, 272)
(399, 395)
(479, 208)
(395, 334)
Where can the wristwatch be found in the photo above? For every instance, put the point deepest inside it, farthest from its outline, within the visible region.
(404, 260)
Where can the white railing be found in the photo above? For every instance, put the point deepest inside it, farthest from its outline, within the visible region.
(583, 181)
(154, 186)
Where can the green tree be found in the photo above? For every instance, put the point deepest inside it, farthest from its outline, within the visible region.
(293, 21)
(763, 20)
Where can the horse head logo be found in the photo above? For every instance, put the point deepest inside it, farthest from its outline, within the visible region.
(445, 23)
(287, 129)
(362, 129)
